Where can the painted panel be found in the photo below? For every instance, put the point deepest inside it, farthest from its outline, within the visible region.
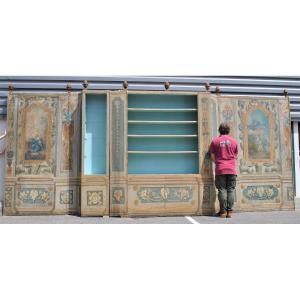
(286, 135)
(260, 193)
(207, 118)
(36, 134)
(66, 199)
(42, 138)
(118, 195)
(227, 113)
(259, 137)
(165, 194)
(11, 137)
(94, 200)
(69, 140)
(34, 197)
(8, 196)
(162, 199)
(264, 159)
(207, 196)
(37, 129)
(118, 153)
(290, 193)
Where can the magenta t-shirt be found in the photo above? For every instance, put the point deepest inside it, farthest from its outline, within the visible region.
(225, 149)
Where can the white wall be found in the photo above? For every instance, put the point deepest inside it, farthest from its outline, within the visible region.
(2, 159)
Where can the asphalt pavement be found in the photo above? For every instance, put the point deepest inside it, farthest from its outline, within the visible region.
(274, 217)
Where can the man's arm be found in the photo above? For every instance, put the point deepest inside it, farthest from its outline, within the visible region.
(236, 151)
(211, 152)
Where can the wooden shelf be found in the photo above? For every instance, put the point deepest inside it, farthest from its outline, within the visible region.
(161, 122)
(162, 135)
(162, 152)
(163, 109)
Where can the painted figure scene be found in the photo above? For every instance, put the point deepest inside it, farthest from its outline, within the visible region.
(258, 136)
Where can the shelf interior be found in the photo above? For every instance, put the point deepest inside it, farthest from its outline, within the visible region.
(95, 134)
(162, 134)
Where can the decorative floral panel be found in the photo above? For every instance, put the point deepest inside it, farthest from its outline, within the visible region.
(165, 194)
(94, 198)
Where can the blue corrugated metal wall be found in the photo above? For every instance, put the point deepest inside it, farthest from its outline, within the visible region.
(227, 85)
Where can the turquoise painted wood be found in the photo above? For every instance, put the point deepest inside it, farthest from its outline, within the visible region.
(95, 136)
(162, 129)
(166, 116)
(160, 144)
(163, 163)
(184, 109)
(162, 101)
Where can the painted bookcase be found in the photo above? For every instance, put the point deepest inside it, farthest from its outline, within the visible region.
(95, 154)
(163, 153)
(131, 153)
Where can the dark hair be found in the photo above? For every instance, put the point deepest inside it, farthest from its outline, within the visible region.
(224, 128)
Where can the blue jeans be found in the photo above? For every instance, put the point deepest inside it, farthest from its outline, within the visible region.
(226, 191)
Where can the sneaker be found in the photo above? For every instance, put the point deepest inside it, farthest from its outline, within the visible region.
(229, 214)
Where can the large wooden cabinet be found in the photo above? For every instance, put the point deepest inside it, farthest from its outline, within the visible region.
(130, 153)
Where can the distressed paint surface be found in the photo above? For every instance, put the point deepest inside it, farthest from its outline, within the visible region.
(68, 110)
(227, 110)
(118, 195)
(66, 197)
(11, 138)
(286, 135)
(94, 198)
(36, 135)
(117, 135)
(41, 159)
(165, 194)
(207, 196)
(260, 193)
(40, 145)
(34, 197)
(206, 136)
(290, 194)
(8, 196)
(259, 137)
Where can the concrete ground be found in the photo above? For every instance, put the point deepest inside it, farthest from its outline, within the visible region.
(278, 217)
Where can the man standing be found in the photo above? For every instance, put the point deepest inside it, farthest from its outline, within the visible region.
(224, 151)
